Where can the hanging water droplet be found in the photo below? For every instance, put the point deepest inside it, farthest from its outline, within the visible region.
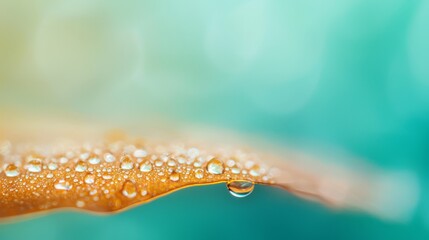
(239, 188)
(199, 173)
(34, 165)
(215, 166)
(146, 167)
(129, 189)
(94, 160)
(174, 177)
(89, 179)
(108, 157)
(126, 163)
(63, 185)
(11, 170)
(80, 166)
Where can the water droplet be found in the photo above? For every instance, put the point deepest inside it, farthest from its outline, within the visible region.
(140, 153)
(63, 185)
(11, 170)
(143, 192)
(108, 157)
(64, 160)
(239, 188)
(129, 189)
(193, 153)
(236, 170)
(80, 166)
(146, 167)
(199, 173)
(126, 163)
(34, 165)
(94, 160)
(215, 166)
(80, 204)
(108, 177)
(230, 163)
(171, 163)
(159, 163)
(174, 177)
(89, 179)
(49, 175)
(52, 166)
(255, 171)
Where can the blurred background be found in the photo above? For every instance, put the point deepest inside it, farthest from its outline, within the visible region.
(344, 76)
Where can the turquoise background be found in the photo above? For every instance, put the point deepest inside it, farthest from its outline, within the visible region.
(346, 75)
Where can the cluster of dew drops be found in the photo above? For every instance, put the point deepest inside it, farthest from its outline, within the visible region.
(94, 157)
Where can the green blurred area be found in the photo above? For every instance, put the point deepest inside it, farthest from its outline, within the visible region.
(350, 75)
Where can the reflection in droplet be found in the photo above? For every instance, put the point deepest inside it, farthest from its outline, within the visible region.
(11, 170)
(94, 160)
(129, 189)
(80, 204)
(174, 177)
(146, 167)
(215, 166)
(126, 163)
(108, 157)
(34, 165)
(63, 185)
(89, 179)
(199, 173)
(52, 166)
(239, 188)
(80, 166)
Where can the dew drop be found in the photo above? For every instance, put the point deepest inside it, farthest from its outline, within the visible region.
(171, 163)
(80, 166)
(193, 153)
(199, 173)
(11, 170)
(80, 204)
(129, 189)
(126, 163)
(49, 175)
(159, 163)
(89, 179)
(108, 157)
(140, 153)
(230, 163)
(174, 177)
(52, 166)
(215, 166)
(94, 160)
(143, 192)
(63, 185)
(236, 170)
(239, 188)
(34, 165)
(255, 171)
(146, 167)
